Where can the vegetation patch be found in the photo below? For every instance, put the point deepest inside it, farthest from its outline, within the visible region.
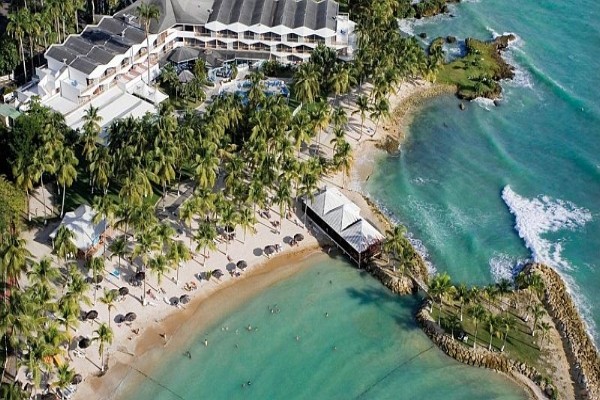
(478, 72)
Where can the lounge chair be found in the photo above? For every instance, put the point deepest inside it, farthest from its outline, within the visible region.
(116, 273)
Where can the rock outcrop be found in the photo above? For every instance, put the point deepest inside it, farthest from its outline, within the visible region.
(398, 284)
(584, 358)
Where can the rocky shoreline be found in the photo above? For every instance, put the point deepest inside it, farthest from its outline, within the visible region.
(583, 355)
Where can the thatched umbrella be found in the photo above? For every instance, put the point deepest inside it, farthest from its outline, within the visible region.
(174, 300)
(140, 276)
(98, 278)
(217, 273)
(269, 250)
(242, 264)
(298, 237)
(84, 343)
(92, 314)
(77, 379)
(184, 299)
(130, 317)
(124, 291)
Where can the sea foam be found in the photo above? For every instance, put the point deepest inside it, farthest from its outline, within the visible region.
(504, 266)
(542, 215)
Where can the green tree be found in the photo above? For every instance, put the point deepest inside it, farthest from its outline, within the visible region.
(439, 286)
(96, 266)
(12, 204)
(159, 265)
(118, 248)
(63, 243)
(9, 55)
(507, 324)
(306, 83)
(148, 13)
(362, 108)
(492, 322)
(178, 253)
(66, 173)
(17, 26)
(14, 260)
(109, 298)
(478, 314)
(453, 323)
(104, 335)
(537, 311)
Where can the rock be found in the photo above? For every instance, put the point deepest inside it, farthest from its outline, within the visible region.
(423, 35)
(549, 391)
(450, 39)
(461, 106)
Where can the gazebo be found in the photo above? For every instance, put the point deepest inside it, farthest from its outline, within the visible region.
(88, 236)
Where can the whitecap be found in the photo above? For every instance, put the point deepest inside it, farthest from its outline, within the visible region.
(484, 103)
(504, 266)
(539, 216)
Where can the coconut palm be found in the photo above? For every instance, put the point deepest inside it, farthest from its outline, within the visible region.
(544, 328)
(363, 107)
(68, 313)
(12, 391)
(109, 298)
(63, 243)
(342, 159)
(103, 335)
(178, 253)
(478, 314)
(17, 27)
(43, 272)
(159, 266)
(101, 169)
(164, 234)
(64, 376)
(91, 128)
(381, 109)
(306, 83)
(461, 294)
(14, 260)
(96, 266)
(453, 323)
(247, 220)
(205, 237)
(537, 311)
(492, 322)
(394, 241)
(507, 324)
(25, 174)
(118, 248)
(439, 286)
(66, 173)
(148, 13)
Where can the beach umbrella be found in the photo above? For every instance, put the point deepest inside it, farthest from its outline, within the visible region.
(269, 250)
(115, 292)
(93, 314)
(140, 276)
(130, 317)
(184, 299)
(229, 229)
(84, 343)
(217, 273)
(77, 379)
(242, 264)
(174, 300)
(98, 278)
(298, 237)
(119, 318)
(124, 291)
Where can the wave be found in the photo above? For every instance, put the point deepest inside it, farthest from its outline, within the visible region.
(484, 102)
(537, 217)
(504, 266)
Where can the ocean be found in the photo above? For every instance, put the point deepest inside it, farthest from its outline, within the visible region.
(329, 332)
(480, 190)
(485, 189)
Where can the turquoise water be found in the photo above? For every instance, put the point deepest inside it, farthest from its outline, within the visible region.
(355, 340)
(489, 187)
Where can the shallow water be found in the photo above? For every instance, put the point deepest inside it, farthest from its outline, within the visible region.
(355, 340)
(489, 187)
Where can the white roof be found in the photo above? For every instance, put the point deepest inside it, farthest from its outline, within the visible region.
(86, 233)
(343, 216)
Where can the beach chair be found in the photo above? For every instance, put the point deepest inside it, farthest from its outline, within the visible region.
(116, 273)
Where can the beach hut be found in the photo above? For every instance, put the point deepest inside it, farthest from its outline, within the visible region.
(339, 218)
(88, 236)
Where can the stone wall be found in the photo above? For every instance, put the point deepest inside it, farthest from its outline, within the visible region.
(584, 358)
(398, 284)
(479, 357)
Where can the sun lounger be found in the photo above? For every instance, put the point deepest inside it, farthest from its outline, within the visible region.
(116, 273)
(78, 353)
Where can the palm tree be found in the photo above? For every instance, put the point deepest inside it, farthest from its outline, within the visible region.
(14, 260)
(96, 265)
(148, 13)
(63, 243)
(492, 324)
(343, 158)
(104, 335)
(12, 391)
(178, 253)
(91, 128)
(544, 328)
(101, 169)
(363, 106)
(381, 109)
(247, 220)
(109, 298)
(43, 272)
(461, 294)
(507, 324)
(205, 237)
(64, 376)
(439, 286)
(537, 311)
(25, 175)
(164, 234)
(68, 312)
(118, 248)
(478, 314)
(159, 265)
(306, 83)
(66, 173)
(453, 323)
(394, 241)
(17, 23)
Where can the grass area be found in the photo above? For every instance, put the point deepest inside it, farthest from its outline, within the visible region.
(477, 73)
(520, 345)
(180, 103)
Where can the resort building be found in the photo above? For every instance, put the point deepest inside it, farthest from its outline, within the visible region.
(339, 218)
(113, 55)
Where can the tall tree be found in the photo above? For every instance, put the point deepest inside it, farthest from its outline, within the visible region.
(104, 335)
(66, 173)
(17, 26)
(148, 13)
